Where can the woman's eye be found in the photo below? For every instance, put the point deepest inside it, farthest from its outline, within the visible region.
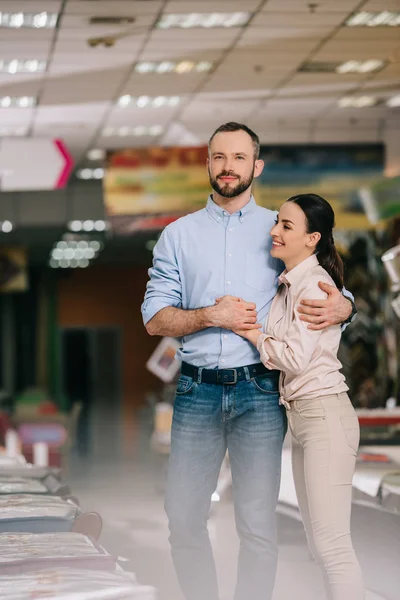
(276, 221)
(286, 227)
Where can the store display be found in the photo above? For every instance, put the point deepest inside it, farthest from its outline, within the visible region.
(36, 513)
(19, 485)
(74, 584)
(21, 552)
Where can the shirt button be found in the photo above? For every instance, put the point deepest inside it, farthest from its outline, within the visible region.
(230, 229)
(229, 282)
(229, 254)
(225, 337)
(223, 360)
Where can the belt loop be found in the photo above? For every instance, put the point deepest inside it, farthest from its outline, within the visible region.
(246, 370)
(199, 372)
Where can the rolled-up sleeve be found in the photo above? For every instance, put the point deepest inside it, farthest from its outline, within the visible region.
(164, 287)
(292, 354)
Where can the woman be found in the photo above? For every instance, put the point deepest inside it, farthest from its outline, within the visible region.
(323, 423)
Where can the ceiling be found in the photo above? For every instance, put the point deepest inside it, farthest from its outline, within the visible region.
(254, 79)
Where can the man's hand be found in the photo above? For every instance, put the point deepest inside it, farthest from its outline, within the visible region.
(235, 314)
(323, 313)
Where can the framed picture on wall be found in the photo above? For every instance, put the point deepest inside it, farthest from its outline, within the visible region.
(163, 362)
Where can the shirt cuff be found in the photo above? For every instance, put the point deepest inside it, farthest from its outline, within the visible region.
(261, 348)
(151, 308)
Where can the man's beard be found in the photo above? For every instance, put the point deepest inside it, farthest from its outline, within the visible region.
(226, 190)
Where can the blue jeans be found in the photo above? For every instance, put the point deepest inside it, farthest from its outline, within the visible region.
(246, 419)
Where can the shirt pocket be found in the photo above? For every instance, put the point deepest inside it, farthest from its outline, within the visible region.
(257, 271)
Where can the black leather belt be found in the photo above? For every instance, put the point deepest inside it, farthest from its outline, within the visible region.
(226, 376)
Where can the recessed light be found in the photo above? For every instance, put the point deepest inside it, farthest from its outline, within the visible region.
(15, 65)
(180, 67)
(147, 102)
(357, 101)
(96, 154)
(385, 18)
(17, 102)
(137, 131)
(360, 66)
(394, 101)
(6, 226)
(35, 20)
(207, 20)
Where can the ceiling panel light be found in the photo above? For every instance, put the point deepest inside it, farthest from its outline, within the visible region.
(180, 67)
(385, 18)
(34, 20)
(15, 65)
(137, 131)
(393, 102)
(360, 66)
(96, 154)
(357, 101)
(147, 102)
(20, 102)
(208, 20)
(90, 174)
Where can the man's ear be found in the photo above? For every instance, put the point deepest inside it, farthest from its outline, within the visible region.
(258, 167)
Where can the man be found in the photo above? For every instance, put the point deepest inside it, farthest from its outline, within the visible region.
(226, 399)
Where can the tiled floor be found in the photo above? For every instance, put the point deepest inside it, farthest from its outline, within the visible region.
(127, 493)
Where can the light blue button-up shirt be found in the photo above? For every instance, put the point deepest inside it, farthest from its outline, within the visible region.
(207, 254)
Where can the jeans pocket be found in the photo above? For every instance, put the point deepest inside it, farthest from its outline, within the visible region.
(351, 430)
(184, 385)
(266, 385)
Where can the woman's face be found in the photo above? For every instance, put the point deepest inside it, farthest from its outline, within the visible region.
(290, 241)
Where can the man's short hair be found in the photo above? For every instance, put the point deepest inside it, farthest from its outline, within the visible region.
(232, 126)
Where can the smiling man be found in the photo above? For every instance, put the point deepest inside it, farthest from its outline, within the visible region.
(225, 399)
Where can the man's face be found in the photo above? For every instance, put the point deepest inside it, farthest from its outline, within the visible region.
(231, 164)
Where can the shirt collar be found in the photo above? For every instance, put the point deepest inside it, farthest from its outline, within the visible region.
(296, 274)
(218, 213)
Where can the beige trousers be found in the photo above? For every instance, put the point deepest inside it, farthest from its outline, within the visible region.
(325, 438)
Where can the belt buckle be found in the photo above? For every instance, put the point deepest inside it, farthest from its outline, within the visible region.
(222, 377)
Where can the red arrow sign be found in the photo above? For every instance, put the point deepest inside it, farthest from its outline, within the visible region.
(69, 164)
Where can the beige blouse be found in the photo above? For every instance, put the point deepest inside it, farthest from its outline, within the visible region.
(308, 359)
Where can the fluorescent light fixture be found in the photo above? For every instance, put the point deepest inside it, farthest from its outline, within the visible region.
(357, 101)
(137, 131)
(35, 20)
(385, 18)
(180, 67)
(16, 65)
(20, 102)
(206, 20)
(360, 66)
(147, 102)
(394, 101)
(96, 154)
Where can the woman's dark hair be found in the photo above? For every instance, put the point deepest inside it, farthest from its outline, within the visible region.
(321, 218)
